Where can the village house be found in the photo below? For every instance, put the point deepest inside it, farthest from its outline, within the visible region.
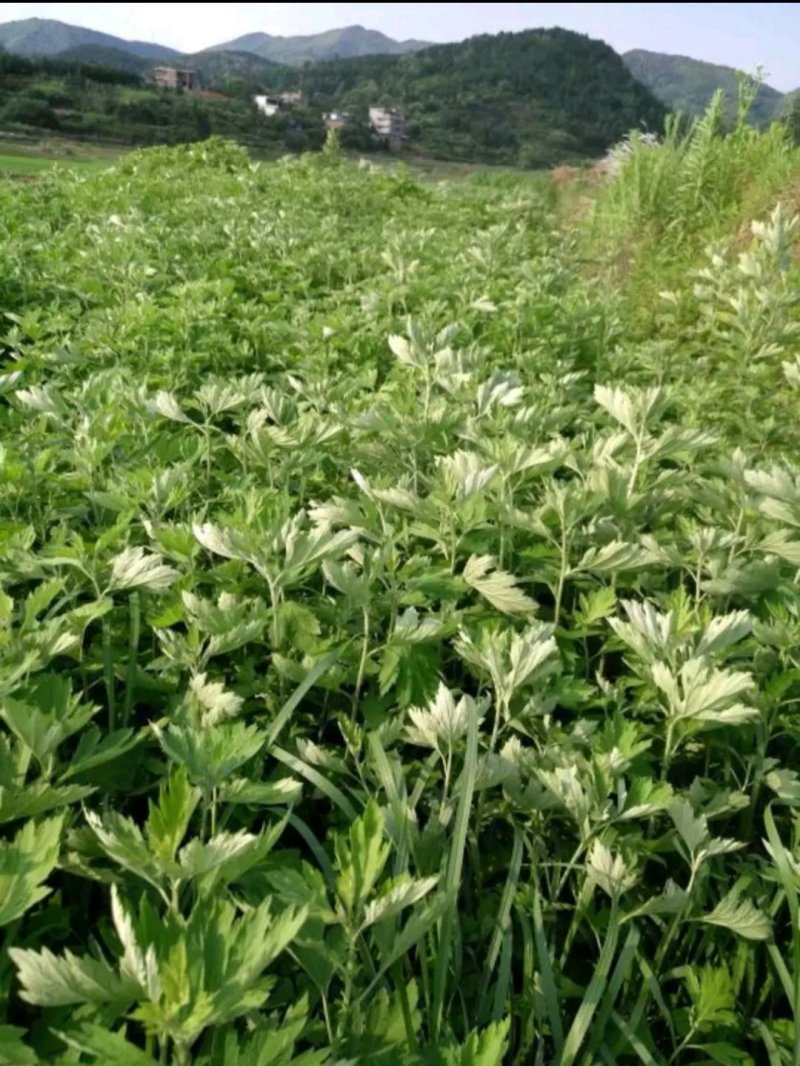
(337, 120)
(293, 98)
(174, 78)
(389, 123)
(267, 105)
(270, 104)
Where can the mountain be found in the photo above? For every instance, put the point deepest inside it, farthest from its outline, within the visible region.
(47, 37)
(533, 98)
(318, 47)
(106, 56)
(687, 85)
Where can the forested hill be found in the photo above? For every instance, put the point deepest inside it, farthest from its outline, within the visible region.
(687, 85)
(532, 98)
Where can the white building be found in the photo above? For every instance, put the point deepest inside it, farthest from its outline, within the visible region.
(388, 122)
(293, 98)
(337, 120)
(267, 105)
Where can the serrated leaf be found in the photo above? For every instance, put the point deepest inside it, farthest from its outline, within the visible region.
(25, 863)
(137, 568)
(442, 722)
(169, 819)
(497, 586)
(404, 893)
(725, 630)
(212, 699)
(740, 916)
(609, 871)
(50, 980)
(14, 1051)
(198, 858)
(104, 1046)
(693, 828)
(613, 557)
(165, 404)
(361, 856)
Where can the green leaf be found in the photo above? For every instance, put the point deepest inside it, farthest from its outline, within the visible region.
(361, 856)
(136, 568)
(95, 749)
(13, 1050)
(25, 863)
(693, 828)
(105, 1046)
(609, 871)
(50, 980)
(741, 916)
(199, 858)
(617, 556)
(122, 841)
(402, 893)
(486, 1047)
(723, 631)
(319, 668)
(498, 587)
(592, 997)
(169, 819)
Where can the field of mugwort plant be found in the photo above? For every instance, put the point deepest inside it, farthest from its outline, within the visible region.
(399, 613)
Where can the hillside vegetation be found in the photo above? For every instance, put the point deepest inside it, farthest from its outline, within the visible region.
(687, 85)
(399, 612)
(530, 99)
(74, 98)
(533, 98)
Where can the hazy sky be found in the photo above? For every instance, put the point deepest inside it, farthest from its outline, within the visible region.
(739, 35)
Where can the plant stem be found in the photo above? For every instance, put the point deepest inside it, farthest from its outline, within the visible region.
(133, 647)
(108, 676)
(362, 665)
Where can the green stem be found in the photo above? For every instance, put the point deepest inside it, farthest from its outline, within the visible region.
(362, 665)
(562, 577)
(133, 648)
(108, 676)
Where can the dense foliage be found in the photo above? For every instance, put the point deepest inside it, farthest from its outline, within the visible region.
(70, 96)
(687, 85)
(399, 614)
(532, 98)
(529, 99)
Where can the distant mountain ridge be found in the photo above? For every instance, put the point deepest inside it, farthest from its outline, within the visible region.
(686, 84)
(49, 37)
(345, 43)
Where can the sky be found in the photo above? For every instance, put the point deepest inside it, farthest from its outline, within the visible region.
(739, 35)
